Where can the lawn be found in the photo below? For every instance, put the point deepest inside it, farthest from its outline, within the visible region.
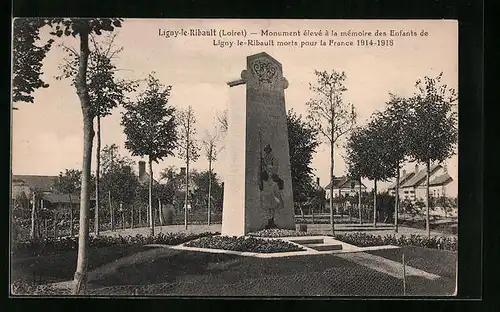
(60, 266)
(439, 262)
(206, 274)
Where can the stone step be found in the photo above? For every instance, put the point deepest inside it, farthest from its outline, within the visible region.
(324, 247)
(308, 241)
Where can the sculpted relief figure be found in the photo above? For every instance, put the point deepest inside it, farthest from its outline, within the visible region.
(271, 185)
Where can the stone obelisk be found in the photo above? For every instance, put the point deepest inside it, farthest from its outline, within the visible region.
(257, 142)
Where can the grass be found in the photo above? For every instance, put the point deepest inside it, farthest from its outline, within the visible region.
(207, 274)
(60, 266)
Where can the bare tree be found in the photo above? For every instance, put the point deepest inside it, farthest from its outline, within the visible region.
(188, 148)
(212, 150)
(330, 116)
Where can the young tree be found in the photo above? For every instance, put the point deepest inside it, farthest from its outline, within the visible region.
(150, 127)
(106, 91)
(117, 177)
(29, 76)
(69, 183)
(28, 57)
(394, 123)
(356, 154)
(432, 125)
(188, 148)
(330, 116)
(212, 150)
(302, 140)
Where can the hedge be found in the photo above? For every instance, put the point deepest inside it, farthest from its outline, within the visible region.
(367, 240)
(71, 243)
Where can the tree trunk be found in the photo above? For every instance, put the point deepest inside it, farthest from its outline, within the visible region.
(140, 215)
(160, 216)
(97, 173)
(33, 217)
(332, 215)
(132, 216)
(312, 213)
(151, 219)
(396, 202)
(209, 185)
(427, 206)
(80, 277)
(71, 216)
(111, 212)
(375, 203)
(186, 198)
(123, 215)
(55, 223)
(359, 203)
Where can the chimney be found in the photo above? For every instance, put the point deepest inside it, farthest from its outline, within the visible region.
(416, 168)
(445, 168)
(183, 171)
(404, 173)
(142, 168)
(317, 181)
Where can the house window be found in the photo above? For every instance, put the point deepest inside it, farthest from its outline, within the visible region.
(412, 191)
(406, 192)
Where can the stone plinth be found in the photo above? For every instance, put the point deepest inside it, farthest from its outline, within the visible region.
(256, 119)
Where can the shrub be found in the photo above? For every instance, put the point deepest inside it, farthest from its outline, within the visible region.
(71, 243)
(366, 240)
(244, 244)
(278, 233)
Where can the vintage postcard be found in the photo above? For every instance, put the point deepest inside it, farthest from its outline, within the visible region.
(230, 157)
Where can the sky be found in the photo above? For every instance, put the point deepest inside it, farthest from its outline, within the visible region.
(48, 134)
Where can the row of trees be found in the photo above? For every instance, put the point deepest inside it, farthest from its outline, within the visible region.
(421, 128)
(153, 128)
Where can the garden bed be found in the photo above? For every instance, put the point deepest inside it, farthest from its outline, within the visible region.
(367, 240)
(244, 244)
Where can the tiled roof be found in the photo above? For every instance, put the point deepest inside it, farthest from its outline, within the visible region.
(43, 183)
(340, 182)
(420, 176)
(441, 180)
(402, 180)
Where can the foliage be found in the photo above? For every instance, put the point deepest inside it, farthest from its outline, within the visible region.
(394, 123)
(200, 194)
(328, 113)
(106, 91)
(302, 142)
(27, 58)
(51, 245)
(187, 142)
(111, 159)
(366, 240)
(68, 182)
(278, 233)
(432, 121)
(244, 244)
(149, 123)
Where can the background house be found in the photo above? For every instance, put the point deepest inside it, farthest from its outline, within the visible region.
(343, 186)
(47, 195)
(413, 184)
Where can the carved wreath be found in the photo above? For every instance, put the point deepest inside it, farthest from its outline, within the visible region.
(264, 71)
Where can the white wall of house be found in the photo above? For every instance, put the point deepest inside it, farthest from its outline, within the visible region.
(344, 192)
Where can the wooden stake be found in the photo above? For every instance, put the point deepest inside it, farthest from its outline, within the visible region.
(404, 276)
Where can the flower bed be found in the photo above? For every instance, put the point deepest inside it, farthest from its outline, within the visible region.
(71, 243)
(366, 240)
(278, 233)
(244, 244)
